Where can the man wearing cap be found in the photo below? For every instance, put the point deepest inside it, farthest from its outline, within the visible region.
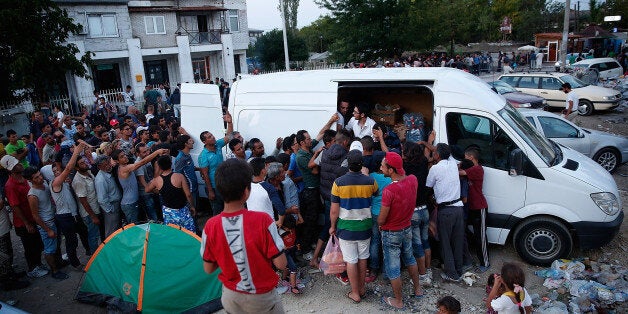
(395, 224)
(16, 190)
(108, 193)
(351, 221)
(443, 178)
(571, 103)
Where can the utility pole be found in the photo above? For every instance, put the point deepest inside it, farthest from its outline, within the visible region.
(563, 44)
(285, 36)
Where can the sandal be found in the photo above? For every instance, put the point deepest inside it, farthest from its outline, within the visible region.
(295, 290)
(352, 299)
(386, 301)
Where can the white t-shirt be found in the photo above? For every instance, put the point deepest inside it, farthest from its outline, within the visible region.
(572, 96)
(444, 178)
(60, 116)
(259, 201)
(128, 97)
(504, 304)
(359, 131)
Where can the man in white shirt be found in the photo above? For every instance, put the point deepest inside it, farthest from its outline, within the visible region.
(263, 195)
(443, 178)
(360, 123)
(571, 103)
(129, 98)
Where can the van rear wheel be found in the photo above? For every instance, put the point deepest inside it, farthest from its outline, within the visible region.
(541, 240)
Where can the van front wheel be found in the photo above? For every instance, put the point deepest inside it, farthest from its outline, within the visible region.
(541, 240)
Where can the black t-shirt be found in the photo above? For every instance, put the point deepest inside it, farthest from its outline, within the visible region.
(419, 170)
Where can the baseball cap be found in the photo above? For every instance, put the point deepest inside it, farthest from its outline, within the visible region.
(394, 161)
(113, 122)
(8, 162)
(354, 158)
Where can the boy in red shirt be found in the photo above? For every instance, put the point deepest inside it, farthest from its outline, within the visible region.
(477, 207)
(244, 244)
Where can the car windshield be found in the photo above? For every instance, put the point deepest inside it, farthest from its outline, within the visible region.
(503, 88)
(574, 82)
(528, 133)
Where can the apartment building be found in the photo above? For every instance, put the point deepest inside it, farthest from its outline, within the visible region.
(150, 42)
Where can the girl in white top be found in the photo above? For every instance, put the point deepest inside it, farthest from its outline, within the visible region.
(515, 298)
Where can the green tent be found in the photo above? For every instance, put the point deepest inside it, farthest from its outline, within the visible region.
(150, 268)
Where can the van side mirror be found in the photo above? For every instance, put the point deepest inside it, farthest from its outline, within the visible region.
(516, 162)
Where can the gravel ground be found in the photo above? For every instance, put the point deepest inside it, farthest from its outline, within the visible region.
(324, 294)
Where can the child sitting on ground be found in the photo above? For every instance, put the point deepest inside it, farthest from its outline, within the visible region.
(448, 305)
(288, 235)
(515, 298)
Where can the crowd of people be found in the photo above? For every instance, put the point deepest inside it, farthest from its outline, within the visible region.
(392, 202)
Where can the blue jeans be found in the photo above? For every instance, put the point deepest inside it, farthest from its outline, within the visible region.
(397, 247)
(324, 234)
(131, 212)
(376, 245)
(148, 203)
(50, 244)
(420, 227)
(93, 232)
(217, 204)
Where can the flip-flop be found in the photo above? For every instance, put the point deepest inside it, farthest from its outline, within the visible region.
(386, 301)
(417, 296)
(350, 298)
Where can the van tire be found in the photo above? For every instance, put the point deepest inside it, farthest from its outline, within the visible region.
(585, 107)
(541, 240)
(608, 158)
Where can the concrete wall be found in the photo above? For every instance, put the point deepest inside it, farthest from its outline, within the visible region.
(77, 12)
(155, 40)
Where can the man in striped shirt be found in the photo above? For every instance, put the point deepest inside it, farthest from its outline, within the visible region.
(351, 221)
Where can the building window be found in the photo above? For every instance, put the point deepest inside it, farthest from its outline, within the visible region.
(102, 25)
(154, 25)
(234, 24)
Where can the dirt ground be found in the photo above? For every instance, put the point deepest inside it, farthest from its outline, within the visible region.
(324, 294)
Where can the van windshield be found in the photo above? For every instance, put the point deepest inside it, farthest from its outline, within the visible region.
(528, 133)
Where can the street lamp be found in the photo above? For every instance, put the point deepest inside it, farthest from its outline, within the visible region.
(285, 36)
(321, 38)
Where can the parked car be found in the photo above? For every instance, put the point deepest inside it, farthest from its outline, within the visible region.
(573, 55)
(548, 86)
(606, 67)
(516, 98)
(608, 150)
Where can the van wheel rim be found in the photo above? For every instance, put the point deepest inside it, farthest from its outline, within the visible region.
(607, 160)
(542, 244)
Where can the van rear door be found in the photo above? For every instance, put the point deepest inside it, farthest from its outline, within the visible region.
(201, 110)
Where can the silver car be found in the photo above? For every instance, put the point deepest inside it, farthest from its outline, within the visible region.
(606, 149)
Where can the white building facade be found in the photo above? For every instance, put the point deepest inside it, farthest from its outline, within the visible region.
(141, 43)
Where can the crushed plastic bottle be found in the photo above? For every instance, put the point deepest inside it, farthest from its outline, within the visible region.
(550, 273)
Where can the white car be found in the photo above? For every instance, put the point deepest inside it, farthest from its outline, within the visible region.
(607, 67)
(548, 86)
(608, 150)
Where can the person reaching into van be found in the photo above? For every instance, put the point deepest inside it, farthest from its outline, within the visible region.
(571, 103)
(360, 123)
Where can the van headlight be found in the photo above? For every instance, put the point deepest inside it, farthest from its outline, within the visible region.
(608, 97)
(607, 202)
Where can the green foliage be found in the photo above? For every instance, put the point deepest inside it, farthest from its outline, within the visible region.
(360, 30)
(617, 7)
(291, 9)
(33, 52)
(270, 48)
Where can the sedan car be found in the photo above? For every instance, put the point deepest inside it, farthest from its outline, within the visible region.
(516, 98)
(548, 86)
(606, 149)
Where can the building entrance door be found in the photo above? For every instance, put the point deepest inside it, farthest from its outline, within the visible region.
(156, 72)
(106, 76)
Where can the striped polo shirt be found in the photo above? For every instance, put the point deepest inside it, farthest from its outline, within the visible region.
(354, 192)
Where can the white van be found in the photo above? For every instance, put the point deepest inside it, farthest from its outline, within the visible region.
(543, 197)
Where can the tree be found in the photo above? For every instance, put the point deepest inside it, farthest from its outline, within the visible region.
(618, 7)
(34, 55)
(270, 49)
(319, 35)
(291, 9)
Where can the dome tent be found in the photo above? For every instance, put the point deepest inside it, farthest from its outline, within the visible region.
(151, 268)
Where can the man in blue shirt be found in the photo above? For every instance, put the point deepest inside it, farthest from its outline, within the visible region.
(184, 164)
(209, 160)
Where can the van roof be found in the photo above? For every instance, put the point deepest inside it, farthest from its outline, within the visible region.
(443, 79)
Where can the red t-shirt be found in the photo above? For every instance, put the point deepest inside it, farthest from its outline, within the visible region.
(475, 175)
(17, 195)
(400, 196)
(243, 245)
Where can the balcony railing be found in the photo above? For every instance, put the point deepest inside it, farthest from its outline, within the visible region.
(203, 38)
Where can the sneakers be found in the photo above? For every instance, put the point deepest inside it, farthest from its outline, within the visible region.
(60, 275)
(426, 280)
(37, 272)
(344, 280)
(307, 256)
(446, 277)
(282, 289)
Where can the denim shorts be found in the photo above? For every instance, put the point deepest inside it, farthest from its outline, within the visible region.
(50, 244)
(420, 228)
(397, 246)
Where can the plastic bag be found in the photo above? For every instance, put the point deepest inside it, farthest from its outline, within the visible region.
(332, 261)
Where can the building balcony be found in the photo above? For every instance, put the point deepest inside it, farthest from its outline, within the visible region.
(203, 38)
